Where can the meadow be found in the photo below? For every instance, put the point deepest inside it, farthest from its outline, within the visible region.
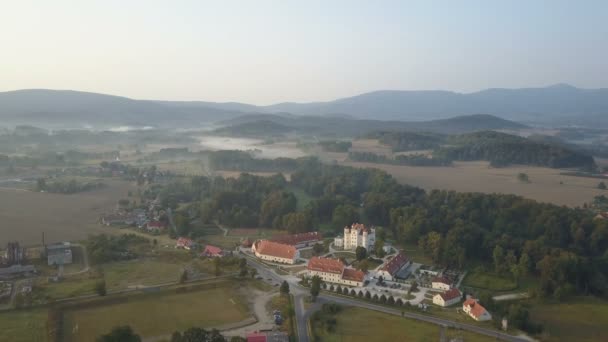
(581, 319)
(23, 325)
(25, 215)
(357, 324)
(158, 314)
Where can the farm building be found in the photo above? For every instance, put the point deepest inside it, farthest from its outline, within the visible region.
(300, 240)
(212, 252)
(475, 310)
(59, 253)
(275, 252)
(390, 270)
(441, 283)
(334, 271)
(449, 297)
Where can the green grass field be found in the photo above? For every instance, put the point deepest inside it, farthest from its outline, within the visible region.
(582, 319)
(357, 324)
(120, 275)
(489, 281)
(158, 314)
(302, 197)
(23, 325)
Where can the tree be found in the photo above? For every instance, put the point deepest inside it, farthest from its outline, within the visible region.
(363, 265)
(498, 255)
(120, 334)
(601, 186)
(339, 289)
(379, 248)
(391, 300)
(523, 177)
(243, 267)
(100, 287)
(383, 299)
(361, 253)
(368, 295)
(344, 215)
(217, 267)
(297, 222)
(375, 298)
(253, 272)
(318, 248)
(315, 287)
(284, 288)
(183, 277)
(524, 264)
(413, 287)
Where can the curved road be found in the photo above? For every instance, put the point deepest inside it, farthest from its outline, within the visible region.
(302, 315)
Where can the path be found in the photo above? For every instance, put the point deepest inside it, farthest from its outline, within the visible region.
(511, 296)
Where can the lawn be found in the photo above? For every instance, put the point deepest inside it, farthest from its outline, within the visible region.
(357, 324)
(580, 319)
(120, 275)
(489, 281)
(158, 314)
(23, 325)
(69, 287)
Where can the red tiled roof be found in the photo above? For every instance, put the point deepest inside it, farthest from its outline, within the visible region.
(256, 337)
(395, 264)
(441, 280)
(212, 250)
(156, 224)
(476, 309)
(275, 249)
(353, 274)
(247, 243)
(360, 227)
(327, 265)
(451, 294)
(295, 239)
(184, 242)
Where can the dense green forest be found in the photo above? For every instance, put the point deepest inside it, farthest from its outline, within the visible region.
(409, 160)
(244, 161)
(408, 141)
(71, 186)
(335, 145)
(502, 149)
(566, 248)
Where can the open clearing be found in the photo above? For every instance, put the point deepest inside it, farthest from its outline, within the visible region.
(357, 324)
(489, 281)
(544, 183)
(23, 325)
(158, 315)
(25, 214)
(581, 319)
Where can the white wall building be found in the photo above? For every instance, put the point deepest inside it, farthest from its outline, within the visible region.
(338, 241)
(275, 252)
(359, 235)
(440, 283)
(334, 271)
(447, 298)
(475, 310)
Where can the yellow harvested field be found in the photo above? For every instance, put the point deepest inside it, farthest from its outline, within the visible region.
(26, 214)
(544, 183)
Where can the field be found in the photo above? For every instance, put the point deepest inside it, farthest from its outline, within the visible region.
(489, 281)
(356, 324)
(158, 315)
(581, 319)
(25, 215)
(140, 272)
(23, 325)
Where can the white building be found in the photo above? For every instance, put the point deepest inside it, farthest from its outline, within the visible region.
(441, 283)
(359, 235)
(338, 241)
(275, 252)
(450, 297)
(389, 270)
(333, 271)
(475, 310)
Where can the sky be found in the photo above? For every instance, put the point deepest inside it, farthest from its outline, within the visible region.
(264, 52)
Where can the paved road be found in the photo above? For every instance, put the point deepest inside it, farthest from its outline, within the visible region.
(302, 315)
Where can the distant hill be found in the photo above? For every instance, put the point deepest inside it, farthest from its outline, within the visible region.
(65, 107)
(340, 127)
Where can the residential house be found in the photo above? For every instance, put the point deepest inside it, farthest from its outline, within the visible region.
(441, 283)
(155, 226)
(212, 252)
(334, 271)
(275, 252)
(184, 243)
(390, 268)
(475, 310)
(358, 235)
(339, 241)
(449, 297)
(300, 240)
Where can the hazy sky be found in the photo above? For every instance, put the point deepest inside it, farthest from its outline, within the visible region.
(272, 51)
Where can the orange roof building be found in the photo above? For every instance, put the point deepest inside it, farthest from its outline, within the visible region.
(275, 252)
(475, 310)
(334, 271)
(390, 269)
(299, 240)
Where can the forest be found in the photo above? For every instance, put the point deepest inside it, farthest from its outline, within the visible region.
(408, 141)
(408, 160)
(566, 248)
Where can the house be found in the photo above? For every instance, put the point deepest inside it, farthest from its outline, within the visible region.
(275, 252)
(247, 243)
(212, 252)
(300, 240)
(475, 310)
(339, 241)
(334, 271)
(601, 216)
(390, 268)
(441, 283)
(59, 253)
(184, 243)
(358, 235)
(155, 226)
(449, 297)
(267, 336)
